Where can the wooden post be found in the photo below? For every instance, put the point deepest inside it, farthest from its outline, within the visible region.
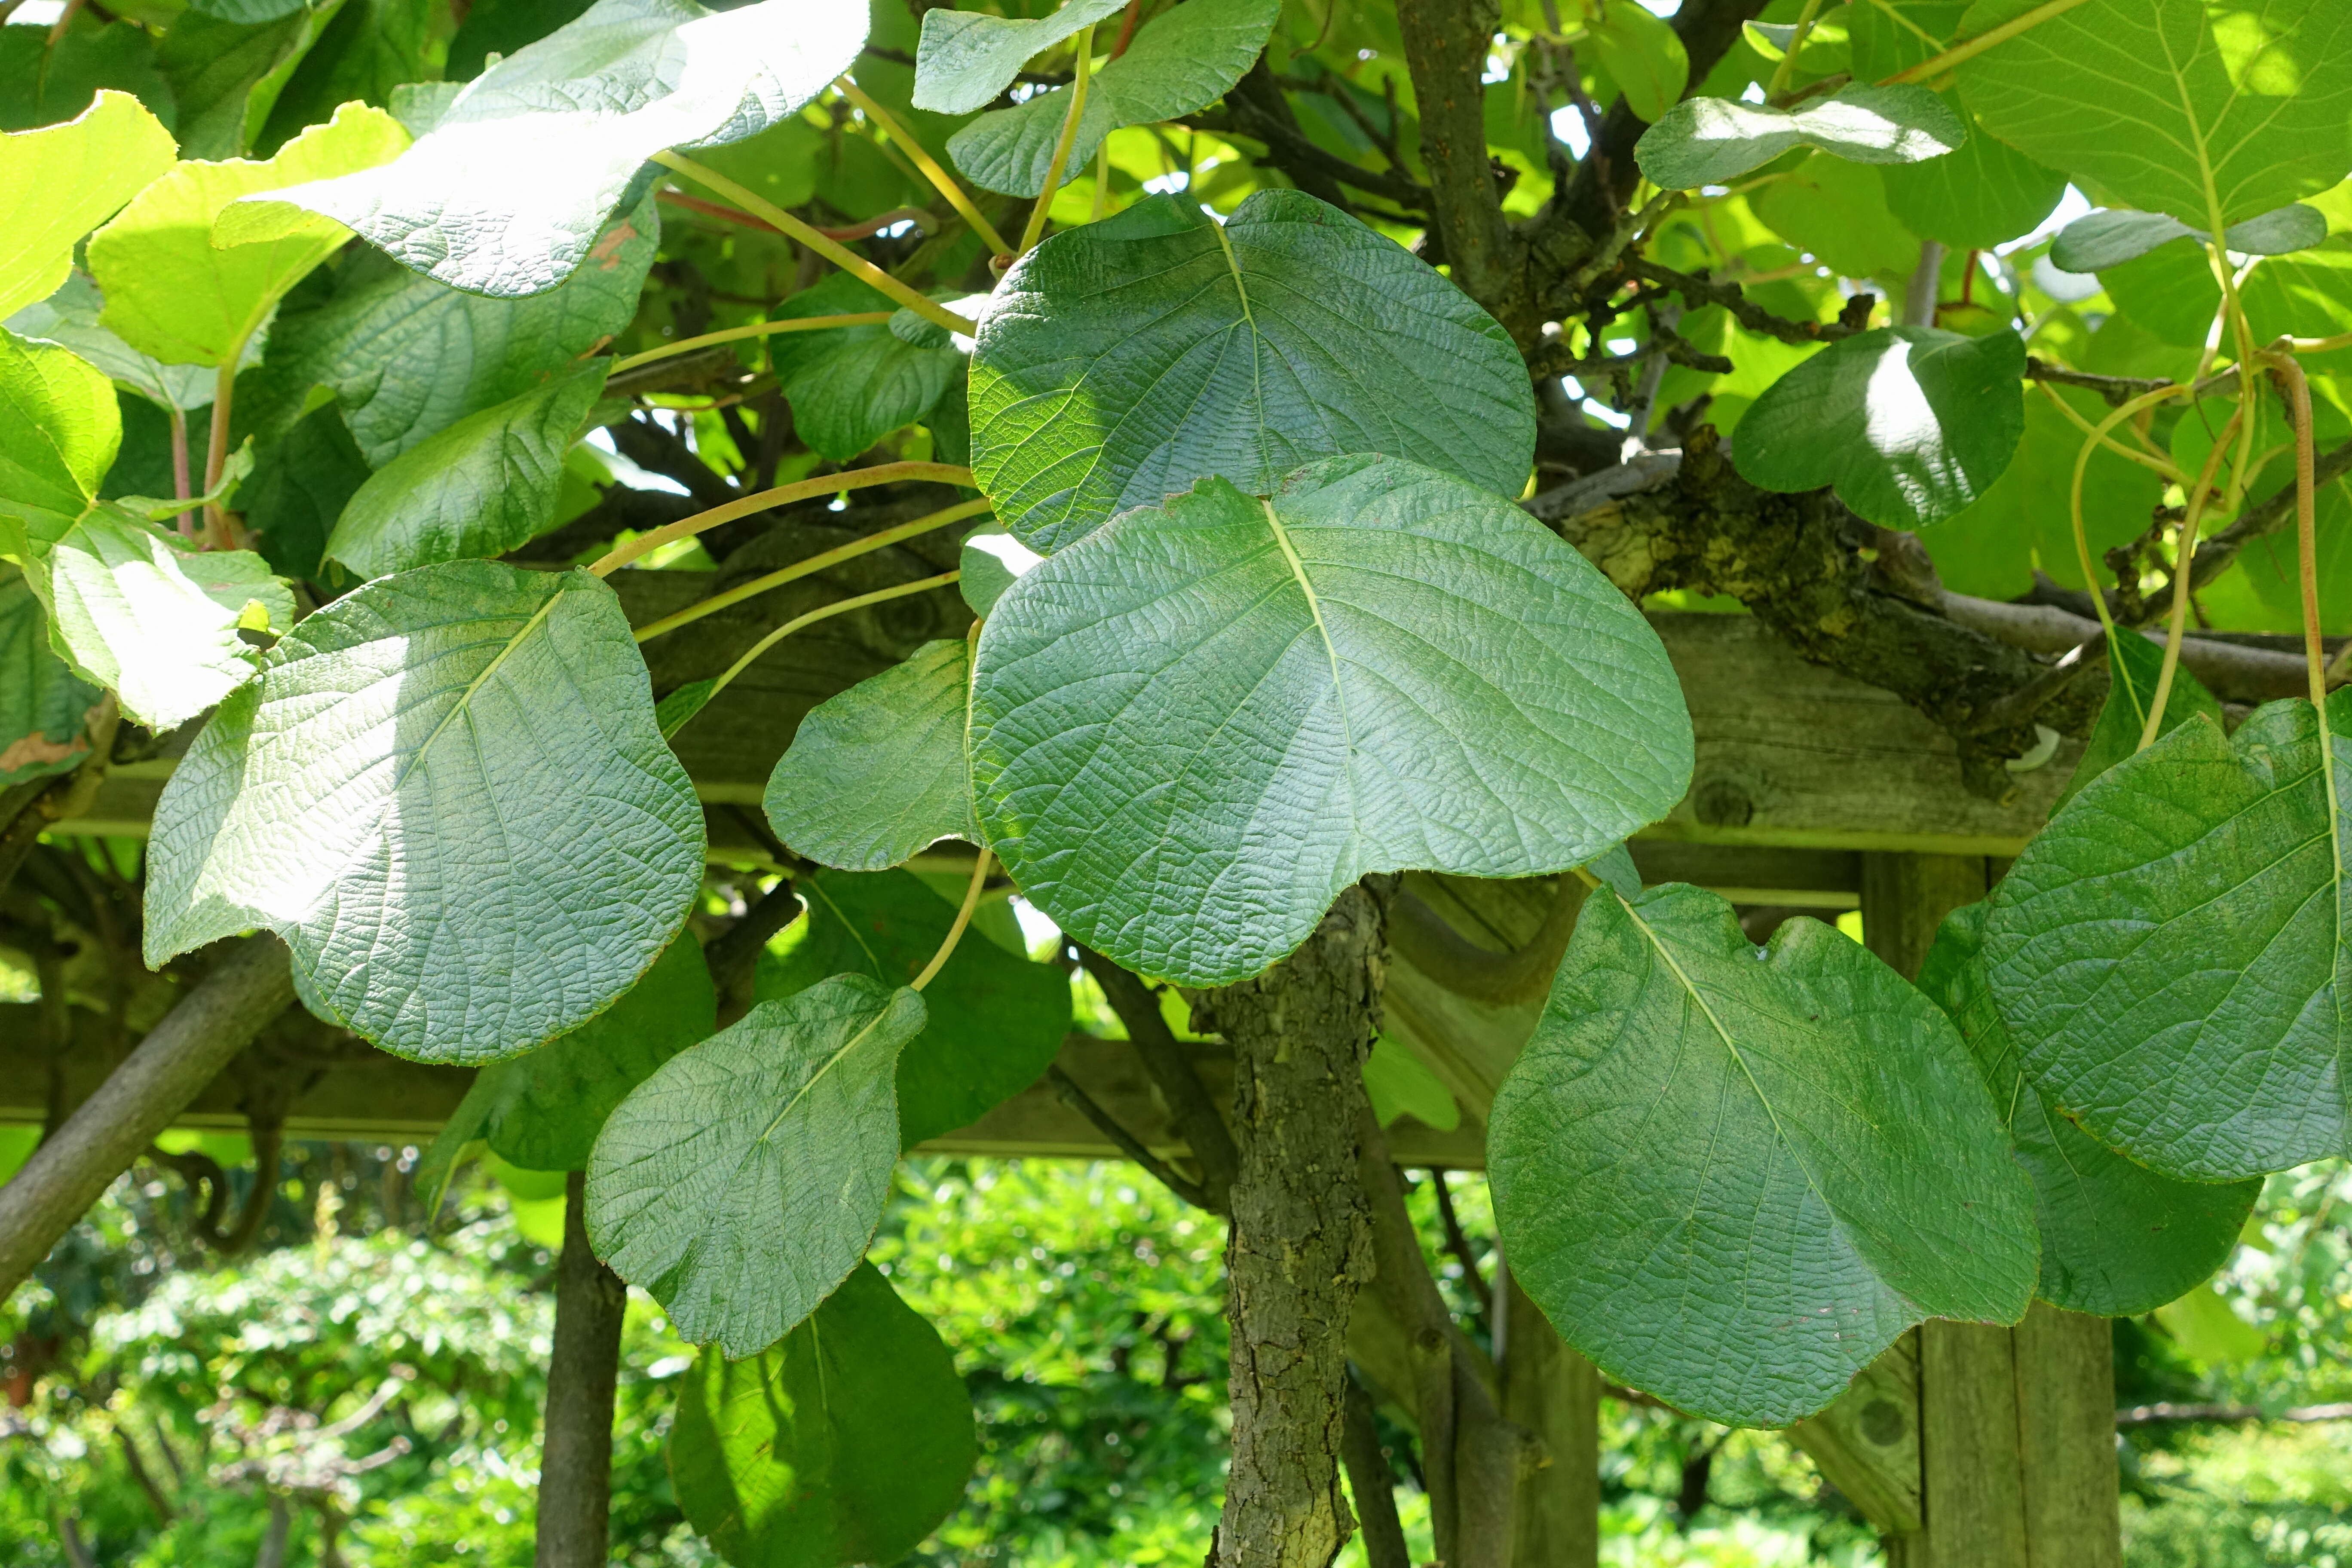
(1554, 1394)
(2013, 1429)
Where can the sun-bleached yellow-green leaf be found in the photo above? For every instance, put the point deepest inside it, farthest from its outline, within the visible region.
(60, 181)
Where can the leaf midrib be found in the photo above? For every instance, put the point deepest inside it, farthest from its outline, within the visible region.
(826, 1066)
(466, 698)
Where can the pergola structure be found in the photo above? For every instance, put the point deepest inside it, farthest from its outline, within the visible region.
(1813, 792)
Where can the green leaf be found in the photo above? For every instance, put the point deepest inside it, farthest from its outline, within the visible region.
(43, 84)
(43, 707)
(503, 27)
(225, 76)
(1398, 1084)
(60, 430)
(1194, 727)
(2170, 952)
(58, 183)
(133, 607)
(246, 11)
(69, 318)
(993, 1022)
(1182, 60)
(1985, 194)
(2099, 240)
(2135, 664)
(878, 773)
(447, 795)
(407, 356)
(366, 50)
(1908, 423)
(299, 486)
(1125, 360)
(848, 1442)
(1733, 1175)
(992, 561)
(482, 487)
(2210, 111)
(850, 386)
(543, 1110)
(1643, 56)
(174, 294)
(1712, 140)
(967, 58)
(681, 705)
(1837, 211)
(504, 195)
(2118, 1239)
(742, 1182)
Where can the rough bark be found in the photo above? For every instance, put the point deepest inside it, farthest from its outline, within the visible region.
(575, 1472)
(1445, 45)
(250, 984)
(1298, 1246)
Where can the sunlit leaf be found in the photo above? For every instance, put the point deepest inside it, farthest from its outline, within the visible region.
(1712, 141)
(967, 58)
(58, 183)
(878, 773)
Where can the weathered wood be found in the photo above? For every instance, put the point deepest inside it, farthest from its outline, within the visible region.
(2066, 1407)
(1970, 1458)
(1867, 1444)
(1554, 1393)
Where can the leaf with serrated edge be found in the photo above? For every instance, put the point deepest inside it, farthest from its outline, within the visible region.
(543, 1110)
(60, 181)
(967, 58)
(1708, 140)
(2116, 1239)
(878, 773)
(1123, 361)
(482, 487)
(1732, 1175)
(1194, 727)
(848, 1442)
(1908, 423)
(1183, 60)
(2171, 952)
(2211, 114)
(447, 795)
(175, 294)
(503, 196)
(2096, 241)
(742, 1182)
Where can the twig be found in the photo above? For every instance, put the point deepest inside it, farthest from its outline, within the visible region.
(1190, 1107)
(1080, 1100)
(2117, 390)
(1697, 288)
(2151, 1415)
(1457, 1242)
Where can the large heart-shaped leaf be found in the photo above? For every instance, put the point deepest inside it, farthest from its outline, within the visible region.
(1122, 361)
(506, 193)
(1182, 61)
(967, 58)
(2171, 952)
(850, 386)
(543, 1110)
(43, 707)
(1984, 195)
(876, 773)
(447, 794)
(848, 1442)
(1710, 140)
(1733, 1175)
(992, 1021)
(2210, 112)
(1197, 725)
(740, 1183)
(2096, 241)
(58, 183)
(2116, 1239)
(174, 294)
(1908, 423)
(407, 356)
(482, 487)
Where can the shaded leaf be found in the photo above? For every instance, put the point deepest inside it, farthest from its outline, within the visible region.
(993, 1021)
(1194, 727)
(1712, 141)
(1642, 54)
(1837, 212)
(2116, 1239)
(742, 1182)
(1984, 195)
(58, 183)
(447, 795)
(848, 1442)
(878, 773)
(299, 486)
(2099, 240)
(850, 386)
(366, 50)
(1733, 1175)
(69, 318)
(992, 561)
(226, 75)
(2135, 664)
(967, 58)
(505, 193)
(44, 705)
(1908, 423)
(1123, 361)
(44, 84)
(2171, 952)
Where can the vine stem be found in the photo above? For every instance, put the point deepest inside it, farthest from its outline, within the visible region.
(2193, 517)
(1062, 144)
(955, 933)
(812, 565)
(756, 330)
(216, 535)
(2307, 528)
(1970, 49)
(2075, 498)
(187, 521)
(620, 555)
(947, 183)
(2150, 460)
(832, 250)
(839, 608)
(1788, 66)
